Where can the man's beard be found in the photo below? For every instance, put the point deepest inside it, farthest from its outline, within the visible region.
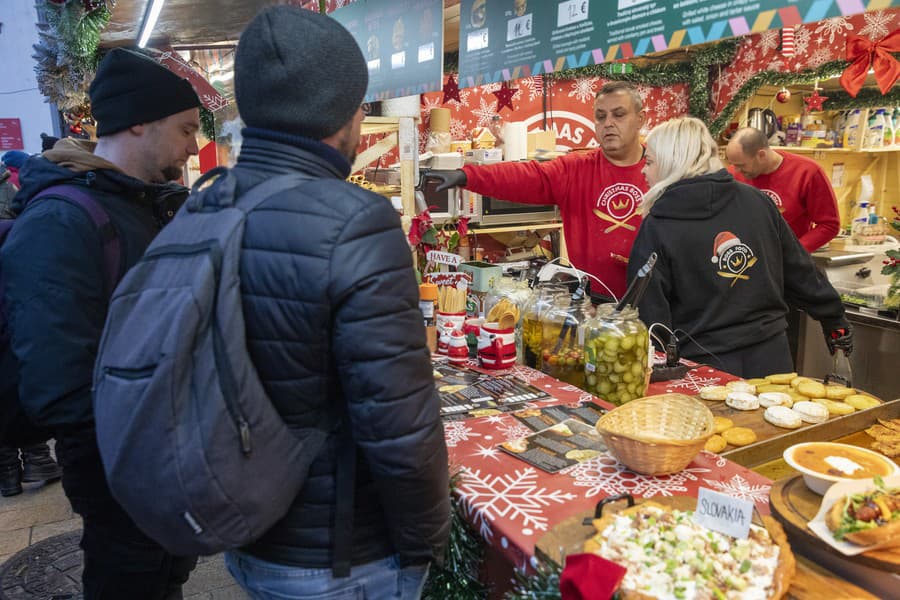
(171, 174)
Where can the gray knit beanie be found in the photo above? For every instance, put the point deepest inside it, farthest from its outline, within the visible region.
(298, 72)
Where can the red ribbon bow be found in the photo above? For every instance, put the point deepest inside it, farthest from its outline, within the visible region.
(865, 53)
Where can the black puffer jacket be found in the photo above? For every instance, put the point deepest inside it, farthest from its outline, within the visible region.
(331, 310)
(53, 276)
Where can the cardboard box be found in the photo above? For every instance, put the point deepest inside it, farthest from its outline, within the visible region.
(484, 275)
(484, 156)
(541, 140)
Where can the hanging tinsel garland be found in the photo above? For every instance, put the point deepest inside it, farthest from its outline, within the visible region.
(207, 123)
(66, 53)
(541, 585)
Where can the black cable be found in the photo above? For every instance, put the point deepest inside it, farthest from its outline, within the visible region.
(690, 337)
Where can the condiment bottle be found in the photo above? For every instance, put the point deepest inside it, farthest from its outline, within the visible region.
(428, 298)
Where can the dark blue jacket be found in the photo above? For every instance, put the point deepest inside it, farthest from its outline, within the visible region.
(331, 308)
(53, 281)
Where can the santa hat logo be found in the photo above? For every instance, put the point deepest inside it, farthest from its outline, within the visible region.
(723, 242)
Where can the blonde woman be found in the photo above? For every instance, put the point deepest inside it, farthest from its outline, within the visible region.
(728, 262)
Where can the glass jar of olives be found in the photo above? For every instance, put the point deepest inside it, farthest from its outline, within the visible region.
(562, 341)
(534, 311)
(616, 352)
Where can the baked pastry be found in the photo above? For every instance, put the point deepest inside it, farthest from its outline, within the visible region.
(773, 387)
(715, 444)
(861, 402)
(781, 378)
(716, 393)
(838, 392)
(796, 381)
(767, 399)
(835, 407)
(782, 416)
(739, 436)
(741, 386)
(811, 389)
(722, 423)
(742, 401)
(811, 412)
(758, 381)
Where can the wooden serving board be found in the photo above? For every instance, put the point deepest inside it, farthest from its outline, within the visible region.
(794, 505)
(809, 583)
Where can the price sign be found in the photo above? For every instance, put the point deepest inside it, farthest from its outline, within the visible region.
(426, 52)
(518, 28)
(477, 40)
(573, 11)
(723, 513)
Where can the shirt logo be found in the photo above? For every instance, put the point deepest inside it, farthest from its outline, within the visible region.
(617, 204)
(732, 257)
(774, 197)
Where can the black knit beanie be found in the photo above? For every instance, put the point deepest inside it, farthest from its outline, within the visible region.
(298, 72)
(131, 89)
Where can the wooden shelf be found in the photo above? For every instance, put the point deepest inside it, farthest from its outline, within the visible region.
(522, 227)
(802, 150)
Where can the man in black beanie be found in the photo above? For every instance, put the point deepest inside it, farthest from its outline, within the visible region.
(330, 304)
(60, 263)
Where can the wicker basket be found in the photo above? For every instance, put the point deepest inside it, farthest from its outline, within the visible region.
(657, 435)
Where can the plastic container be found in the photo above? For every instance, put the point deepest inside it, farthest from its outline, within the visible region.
(562, 338)
(616, 351)
(860, 218)
(875, 133)
(851, 129)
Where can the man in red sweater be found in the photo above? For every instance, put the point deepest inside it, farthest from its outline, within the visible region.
(797, 185)
(599, 193)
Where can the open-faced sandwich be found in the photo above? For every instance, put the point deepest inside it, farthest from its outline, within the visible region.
(868, 518)
(668, 555)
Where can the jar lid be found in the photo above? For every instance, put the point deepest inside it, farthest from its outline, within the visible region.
(428, 291)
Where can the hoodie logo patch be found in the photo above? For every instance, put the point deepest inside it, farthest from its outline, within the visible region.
(774, 197)
(617, 204)
(732, 257)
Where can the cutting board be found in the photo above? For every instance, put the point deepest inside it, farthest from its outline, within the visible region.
(794, 505)
(809, 581)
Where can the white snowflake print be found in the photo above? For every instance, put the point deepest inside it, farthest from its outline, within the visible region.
(485, 112)
(720, 461)
(692, 382)
(834, 26)
(679, 103)
(750, 55)
(487, 452)
(585, 90)
(463, 100)
(802, 37)
(490, 88)
(456, 432)
(662, 107)
(458, 129)
(423, 139)
(534, 85)
(877, 24)
(770, 39)
(776, 65)
(512, 429)
(818, 58)
(527, 374)
(513, 496)
(738, 487)
(214, 102)
(605, 475)
(740, 79)
(428, 105)
(644, 91)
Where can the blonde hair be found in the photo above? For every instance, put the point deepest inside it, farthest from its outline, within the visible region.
(683, 148)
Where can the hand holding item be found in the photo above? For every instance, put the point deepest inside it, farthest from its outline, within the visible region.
(840, 339)
(448, 179)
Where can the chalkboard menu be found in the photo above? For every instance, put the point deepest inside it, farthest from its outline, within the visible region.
(403, 42)
(508, 39)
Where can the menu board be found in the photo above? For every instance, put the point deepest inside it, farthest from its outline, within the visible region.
(11, 134)
(465, 393)
(509, 39)
(402, 41)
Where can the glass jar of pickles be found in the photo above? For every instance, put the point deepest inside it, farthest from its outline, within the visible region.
(616, 351)
(562, 351)
(535, 310)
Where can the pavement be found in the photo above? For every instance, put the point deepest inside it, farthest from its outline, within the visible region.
(42, 511)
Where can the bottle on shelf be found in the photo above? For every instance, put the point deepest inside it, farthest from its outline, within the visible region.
(860, 219)
(875, 131)
(890, 126)
(851, 129)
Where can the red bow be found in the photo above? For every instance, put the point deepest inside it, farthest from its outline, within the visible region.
(865, 53)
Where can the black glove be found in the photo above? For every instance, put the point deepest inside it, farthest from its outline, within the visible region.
(448, 179)
(840, 339)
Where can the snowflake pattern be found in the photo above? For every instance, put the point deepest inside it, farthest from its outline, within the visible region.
(584, 89)
(458, 129)
(739, 487)
(802, 37)
(679, 103)
(770, 40)
(604, 475)
(490, 88)
(877, 24)
(776, 65)
(534, 85)
(527, 374)
(693, 382)
(485, 112)
(214, 102)
(428, 104)
(487, 452)
(456, 432)
(512, 496)
(750, 55)
(512, 429)
(834, 26)
(818, 58)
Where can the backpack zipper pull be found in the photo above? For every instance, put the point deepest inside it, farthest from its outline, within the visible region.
(245, 435)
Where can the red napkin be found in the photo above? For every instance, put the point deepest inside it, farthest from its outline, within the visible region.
(590, 577)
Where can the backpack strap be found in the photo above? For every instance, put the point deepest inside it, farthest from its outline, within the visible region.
(112, 247)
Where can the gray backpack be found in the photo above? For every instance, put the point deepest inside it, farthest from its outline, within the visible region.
(193, 449)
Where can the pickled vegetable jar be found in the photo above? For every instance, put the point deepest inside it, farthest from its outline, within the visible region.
(616, 346)
(536, 308)
(562, 351)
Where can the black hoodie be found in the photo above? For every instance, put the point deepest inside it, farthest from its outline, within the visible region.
(728, 265)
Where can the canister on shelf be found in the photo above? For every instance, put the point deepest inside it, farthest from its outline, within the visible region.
(616, 352)
(428, 298)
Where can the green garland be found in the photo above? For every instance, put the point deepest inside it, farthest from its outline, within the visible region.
(207, 123)
(542, 585)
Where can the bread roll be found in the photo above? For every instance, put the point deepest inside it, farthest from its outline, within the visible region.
(838, 392)
(811, 389)
(834, 407)
(781, 378)
(861, 402)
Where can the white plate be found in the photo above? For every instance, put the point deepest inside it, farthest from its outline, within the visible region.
(820, 482)
(835, 493)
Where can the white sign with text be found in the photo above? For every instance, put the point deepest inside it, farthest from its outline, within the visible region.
(723, 513)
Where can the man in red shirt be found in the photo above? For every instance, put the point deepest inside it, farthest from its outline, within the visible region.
(599, 193)
(797, 185)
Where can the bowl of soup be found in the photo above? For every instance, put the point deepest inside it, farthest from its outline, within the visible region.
(823, 464)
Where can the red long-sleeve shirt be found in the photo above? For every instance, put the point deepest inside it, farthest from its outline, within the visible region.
(804, 196)
(584, 186)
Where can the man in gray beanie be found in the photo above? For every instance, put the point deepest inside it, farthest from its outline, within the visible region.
(60, 263)
(330, 305)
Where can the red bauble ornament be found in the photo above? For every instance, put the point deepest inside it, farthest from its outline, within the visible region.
(451, 90)
(815, 101)
(504, 97)
(783, 95)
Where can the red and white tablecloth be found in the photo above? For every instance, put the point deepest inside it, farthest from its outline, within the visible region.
(512, 504)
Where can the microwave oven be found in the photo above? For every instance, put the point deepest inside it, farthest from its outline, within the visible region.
(482, 211)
